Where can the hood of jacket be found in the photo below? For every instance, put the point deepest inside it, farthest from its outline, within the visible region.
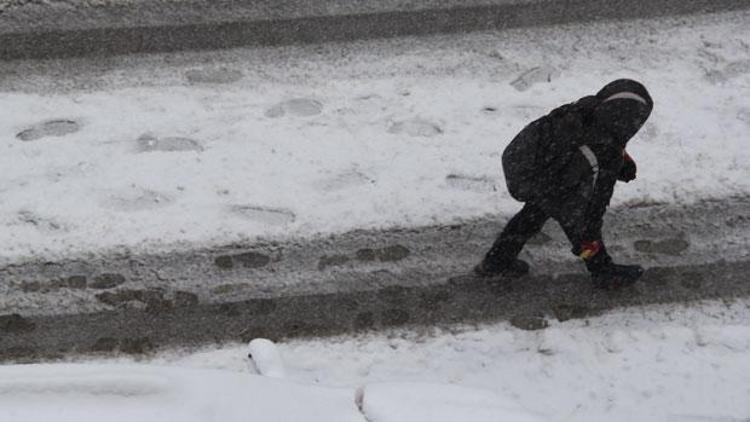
(624, 106)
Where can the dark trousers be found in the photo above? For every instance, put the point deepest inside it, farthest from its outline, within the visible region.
(570, 214)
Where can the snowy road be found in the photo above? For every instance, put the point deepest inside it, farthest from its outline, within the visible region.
(363, 281)
(33, 29)
(204, 198)
(145, 196)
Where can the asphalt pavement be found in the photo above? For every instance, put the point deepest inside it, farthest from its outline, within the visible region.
(363, 280)
(33, 30)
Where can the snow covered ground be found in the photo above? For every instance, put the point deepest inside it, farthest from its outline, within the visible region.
(663, 363)
(31, 393)
(169, 151)
(127, 393)
(172, 151)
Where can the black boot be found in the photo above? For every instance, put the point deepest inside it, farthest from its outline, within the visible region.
(608, 275)
(615, 276)
(513, 269)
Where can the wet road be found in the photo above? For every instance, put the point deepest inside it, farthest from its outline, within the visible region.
(29, 30)
(361, 281)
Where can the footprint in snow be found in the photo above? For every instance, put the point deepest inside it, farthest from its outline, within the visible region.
(212, 76)
(674, 246)
(343, 180)
(43, 224)
(470, 183)
(49, 128)
(416, 128)
(150, 143)
(730, 71)
(265, 215)
(137, 199)
(533, 76)
(368, 97)
(299, 107)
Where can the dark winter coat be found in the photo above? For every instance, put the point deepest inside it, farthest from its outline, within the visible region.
(572, 157)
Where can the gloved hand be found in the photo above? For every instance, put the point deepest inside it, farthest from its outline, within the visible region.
(628, 170)
(589, 249)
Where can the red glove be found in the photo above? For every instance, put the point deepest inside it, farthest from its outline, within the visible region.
(627, 172)
(589, 249)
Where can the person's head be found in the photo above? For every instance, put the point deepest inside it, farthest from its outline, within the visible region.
(624, 106)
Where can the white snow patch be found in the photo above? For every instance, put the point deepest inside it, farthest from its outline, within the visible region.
(94, 393)
(424, 402)
(266, 358)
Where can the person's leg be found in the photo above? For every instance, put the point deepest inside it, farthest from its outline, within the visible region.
(571, 213)
(502, 257)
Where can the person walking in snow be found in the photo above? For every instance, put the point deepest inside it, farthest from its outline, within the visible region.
(564, 166)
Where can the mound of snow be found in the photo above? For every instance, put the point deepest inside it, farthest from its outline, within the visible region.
(266, 358)
(423, 402)
(113, 393)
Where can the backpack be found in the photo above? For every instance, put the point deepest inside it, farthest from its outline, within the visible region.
(537, 155)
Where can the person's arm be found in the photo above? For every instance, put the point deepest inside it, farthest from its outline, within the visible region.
(610, 163)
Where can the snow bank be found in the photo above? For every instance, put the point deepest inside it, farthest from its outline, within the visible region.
(109, 392)
(95, 393)
(423, 402)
